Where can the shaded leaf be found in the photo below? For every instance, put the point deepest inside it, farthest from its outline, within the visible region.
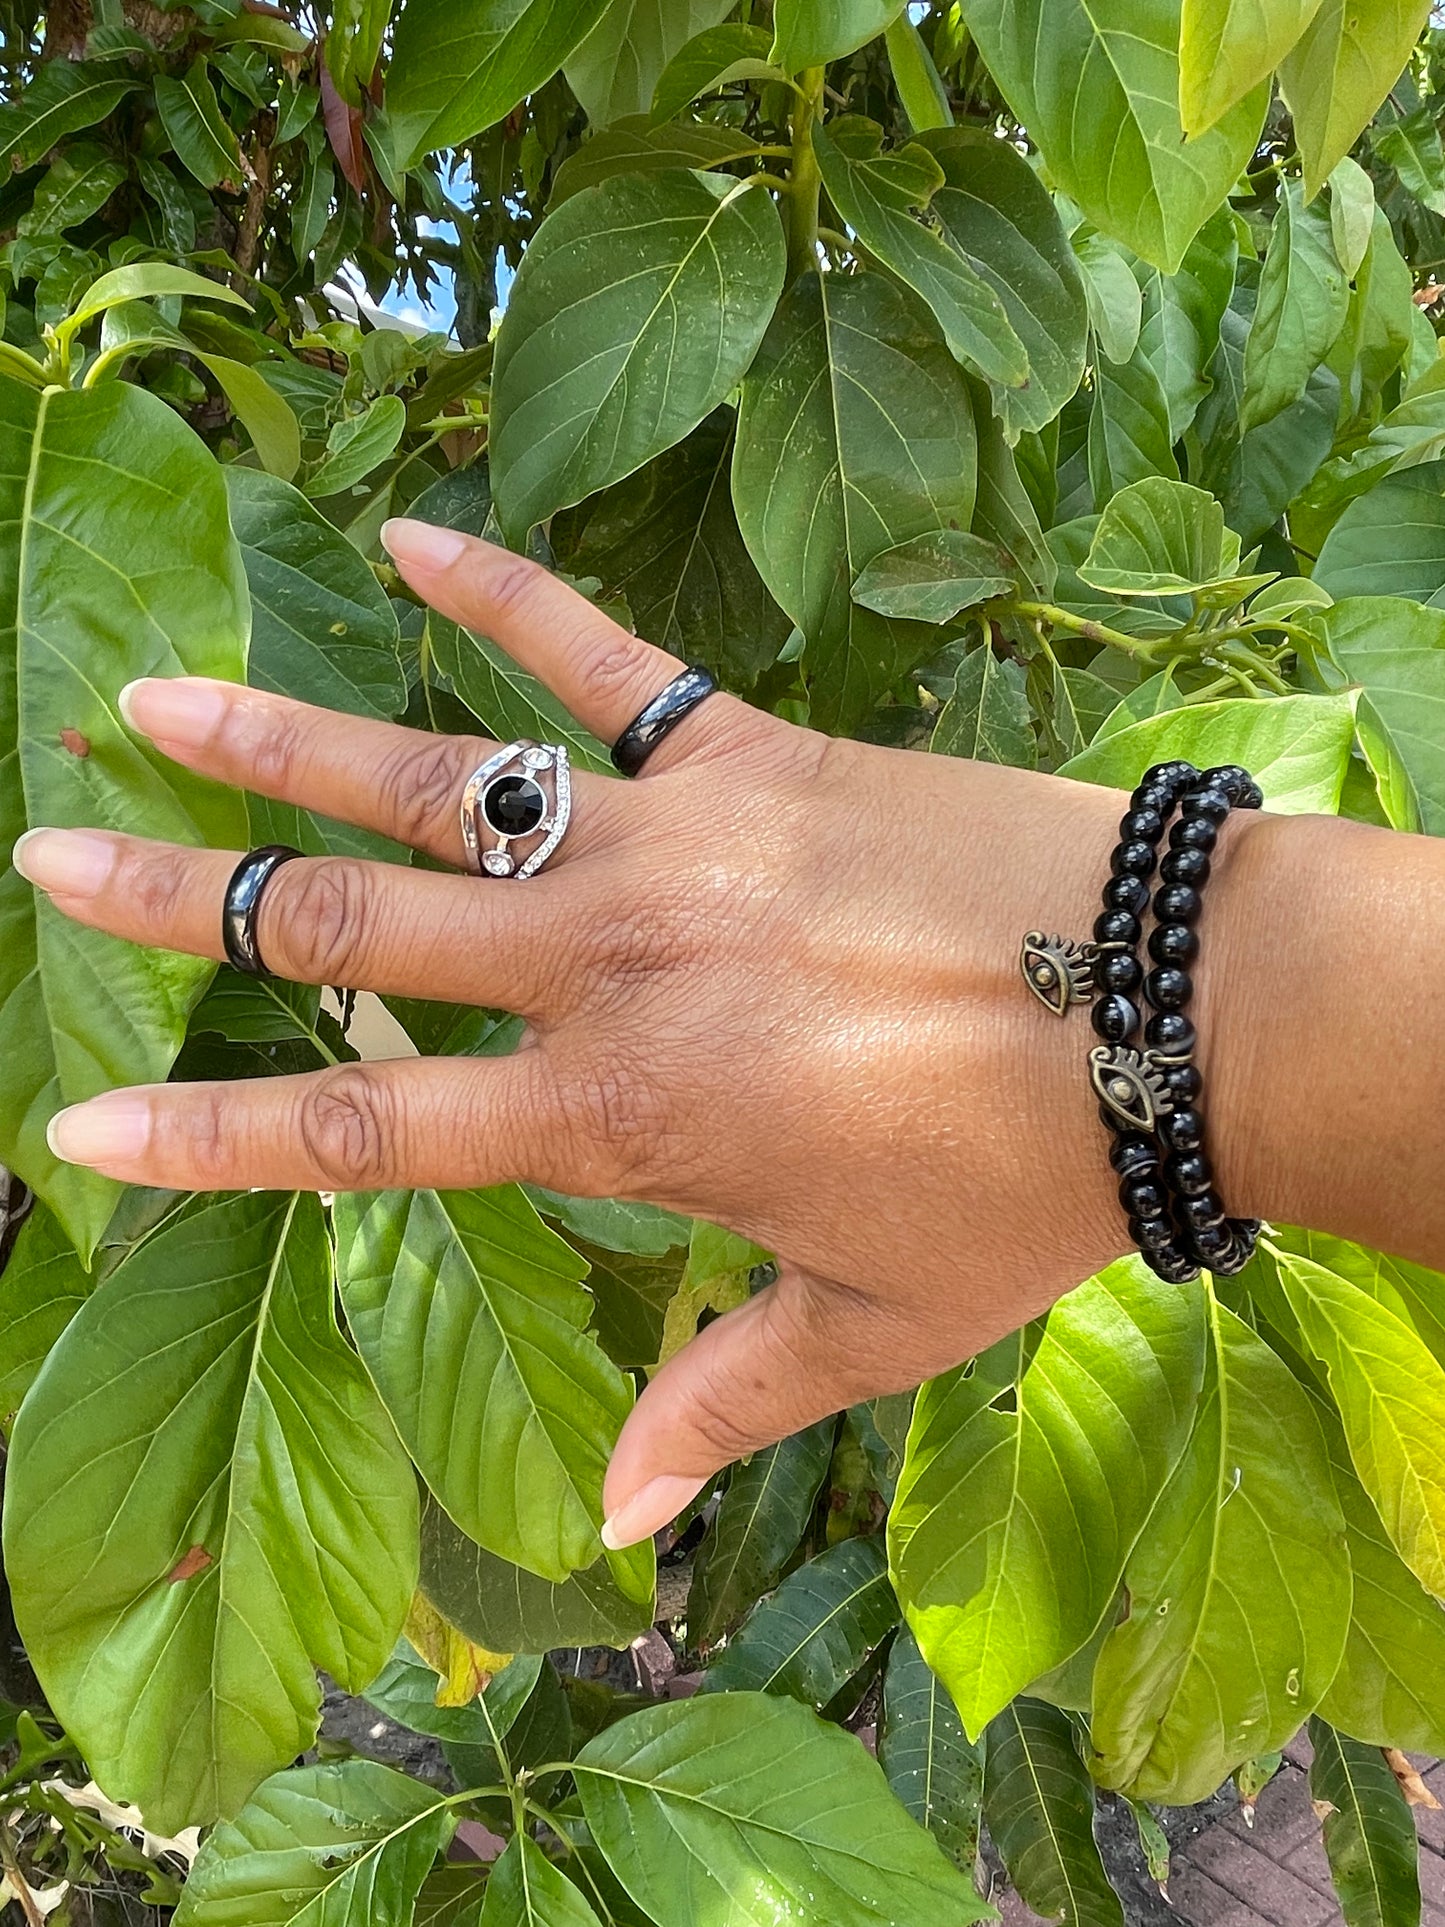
(762, 1517)
(1303, 299)
(406, 1691)
(708, 61)
(987, 716)
(527, 1890)
(1039, 1805)
(357, 445)
(615, 71)
(1368, 1831)
(64, 97)
(1129, 436)
(812, 1635)
(931, 1764)
(199, 134)
(934, 577)
(508, 701)
(635, 146)
(42, 1287)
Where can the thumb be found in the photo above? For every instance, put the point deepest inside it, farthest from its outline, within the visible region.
(788, 1357)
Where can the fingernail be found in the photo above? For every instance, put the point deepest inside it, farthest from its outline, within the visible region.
(187, 709)
(108, 1130)
(65, 863)
(649, 1510)
(422, 544)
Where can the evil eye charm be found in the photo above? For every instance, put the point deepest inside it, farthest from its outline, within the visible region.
(1129, 1085)
(1056, 971)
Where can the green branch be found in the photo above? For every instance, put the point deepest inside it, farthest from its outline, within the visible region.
(805, 180)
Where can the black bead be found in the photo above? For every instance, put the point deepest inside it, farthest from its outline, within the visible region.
(1190, 1172)
(1127, 893)
(1171, 773)
(1183, 1083)
(1141, 826)
(1117, 926)
(1171, 943)
(1144, 1197)
(1182, 1129)
(1132, 1152)
(1252, 799)
(1118, 970)
(1153, 796)
(1193, 833)
(1151, 1234)
(1171, 1032)
(1175, 903)
(1206, 1208)
(1168, 988)
(1115, 1018)
(1233, 778)
(1174, 1266)
(1207, 805)
(1185, 866)
(1134, 860)
(1215, 1244)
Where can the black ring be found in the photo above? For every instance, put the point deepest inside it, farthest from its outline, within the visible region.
(659, 717)
(243, 901)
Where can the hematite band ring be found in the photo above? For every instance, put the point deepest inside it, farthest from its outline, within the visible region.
(242, 904)
(522, 792)
(660, 717)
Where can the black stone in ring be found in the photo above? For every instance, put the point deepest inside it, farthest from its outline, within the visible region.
(662, 715)
(243, 900)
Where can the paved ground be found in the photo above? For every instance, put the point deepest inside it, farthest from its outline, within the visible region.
(1274, 1874)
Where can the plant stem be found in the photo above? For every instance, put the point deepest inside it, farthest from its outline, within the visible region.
(805, 180)
(1091, 631)
(10, 1861)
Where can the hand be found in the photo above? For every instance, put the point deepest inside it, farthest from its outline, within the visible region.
(773, 984)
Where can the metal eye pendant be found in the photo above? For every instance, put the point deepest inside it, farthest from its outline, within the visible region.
(1129, 1085)
(1056, 971)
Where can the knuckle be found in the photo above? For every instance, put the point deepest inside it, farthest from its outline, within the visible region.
(348, 1124)
(606, 656)
(209, 1148)
(320, 914)
(157, 881)
(616, 1130)
(276, 752)
(626, 949)
(512, 583)
(421, 784)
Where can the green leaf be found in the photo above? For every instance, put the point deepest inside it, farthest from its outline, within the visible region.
(266, 417)
(507, 1609)
(1391, 541)
(637, 308)
(451, 1895)
(1298, 747)
(205, 1502)
(734, 1805)
(987, 716)
(637, 147)
(930, 1762)
(1411, 145)
(934, 577)
(506, 699)
(1055, 1478)
(1129, 437)
(1113, 295)
(76, 185)
(762, 1517)
(876, 194)
(857, 424)
(1104, 108)
(995, 213)
(1226, 51)
(631, 1293)
(63, 97)
(1369, 1831)
(146, 281)
(1159, 537)
(348, 1843)
(101, 581)
(1395, 650)
(471, 1318)
(921, 91)
(456, 71)
(203, 140)
(708, 61)
(1004, 512)
(527, 1890)
(1040, 1811)
(1340, 70)
(323, 629)
(1181, 317)
(667, 541)
(358, 444)
(353, 45)
(406, 1691)
(42, 1287)
(812, 1635)
(1352, 212)
(812, 32)
(1237, 1594)
(614, 72)
(1303, 299)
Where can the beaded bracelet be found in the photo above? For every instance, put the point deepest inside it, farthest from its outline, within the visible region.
(1150, 1100)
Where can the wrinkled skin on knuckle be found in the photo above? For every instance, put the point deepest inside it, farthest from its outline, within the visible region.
(319, 917)
(274, 744)
(424, 784)
(156, 880)
(206, 1143)
(612, 1128)
(347, 1122)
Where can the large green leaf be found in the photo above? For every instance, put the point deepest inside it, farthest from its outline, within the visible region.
(812, 32)
(636, 310)
(1369, 1831)
(740, 1806)
(1238, 1592)
(1054, 1478)
(1103, 105)
(635, 146)
(323, 629)
(1298, 747)
(197, 130)
(1304, 296)
(814, 1633)
(527, 1890)
(1040, 1811)
(1181, 314)
(708, 61)
(614, 72)
(471, 1317)
(760, 1520)
(1129, 432)
(63, 97)
(1391, 541)
(1159, 537)
(504, 698)
(934, 577)
(1395, 650)
(347, 1843)
(205, 1502)
(931, 1764)
(457, 70)
(855, 434)
(1341, 68)
(987, 716)
(42, 1287)
(1228, 47)
(667, 541)
(118, 562)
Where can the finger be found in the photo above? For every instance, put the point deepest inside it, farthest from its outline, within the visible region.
(405, 783)
(603, 674)
(433, 1122)
(323, 920)
(790, 1356)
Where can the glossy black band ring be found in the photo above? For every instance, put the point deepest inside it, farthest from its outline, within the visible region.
(242, 903)
(659, 717)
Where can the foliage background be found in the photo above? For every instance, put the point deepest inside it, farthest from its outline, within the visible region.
(1095, 348)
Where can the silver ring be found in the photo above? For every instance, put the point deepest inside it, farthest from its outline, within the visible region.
(522, 795)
